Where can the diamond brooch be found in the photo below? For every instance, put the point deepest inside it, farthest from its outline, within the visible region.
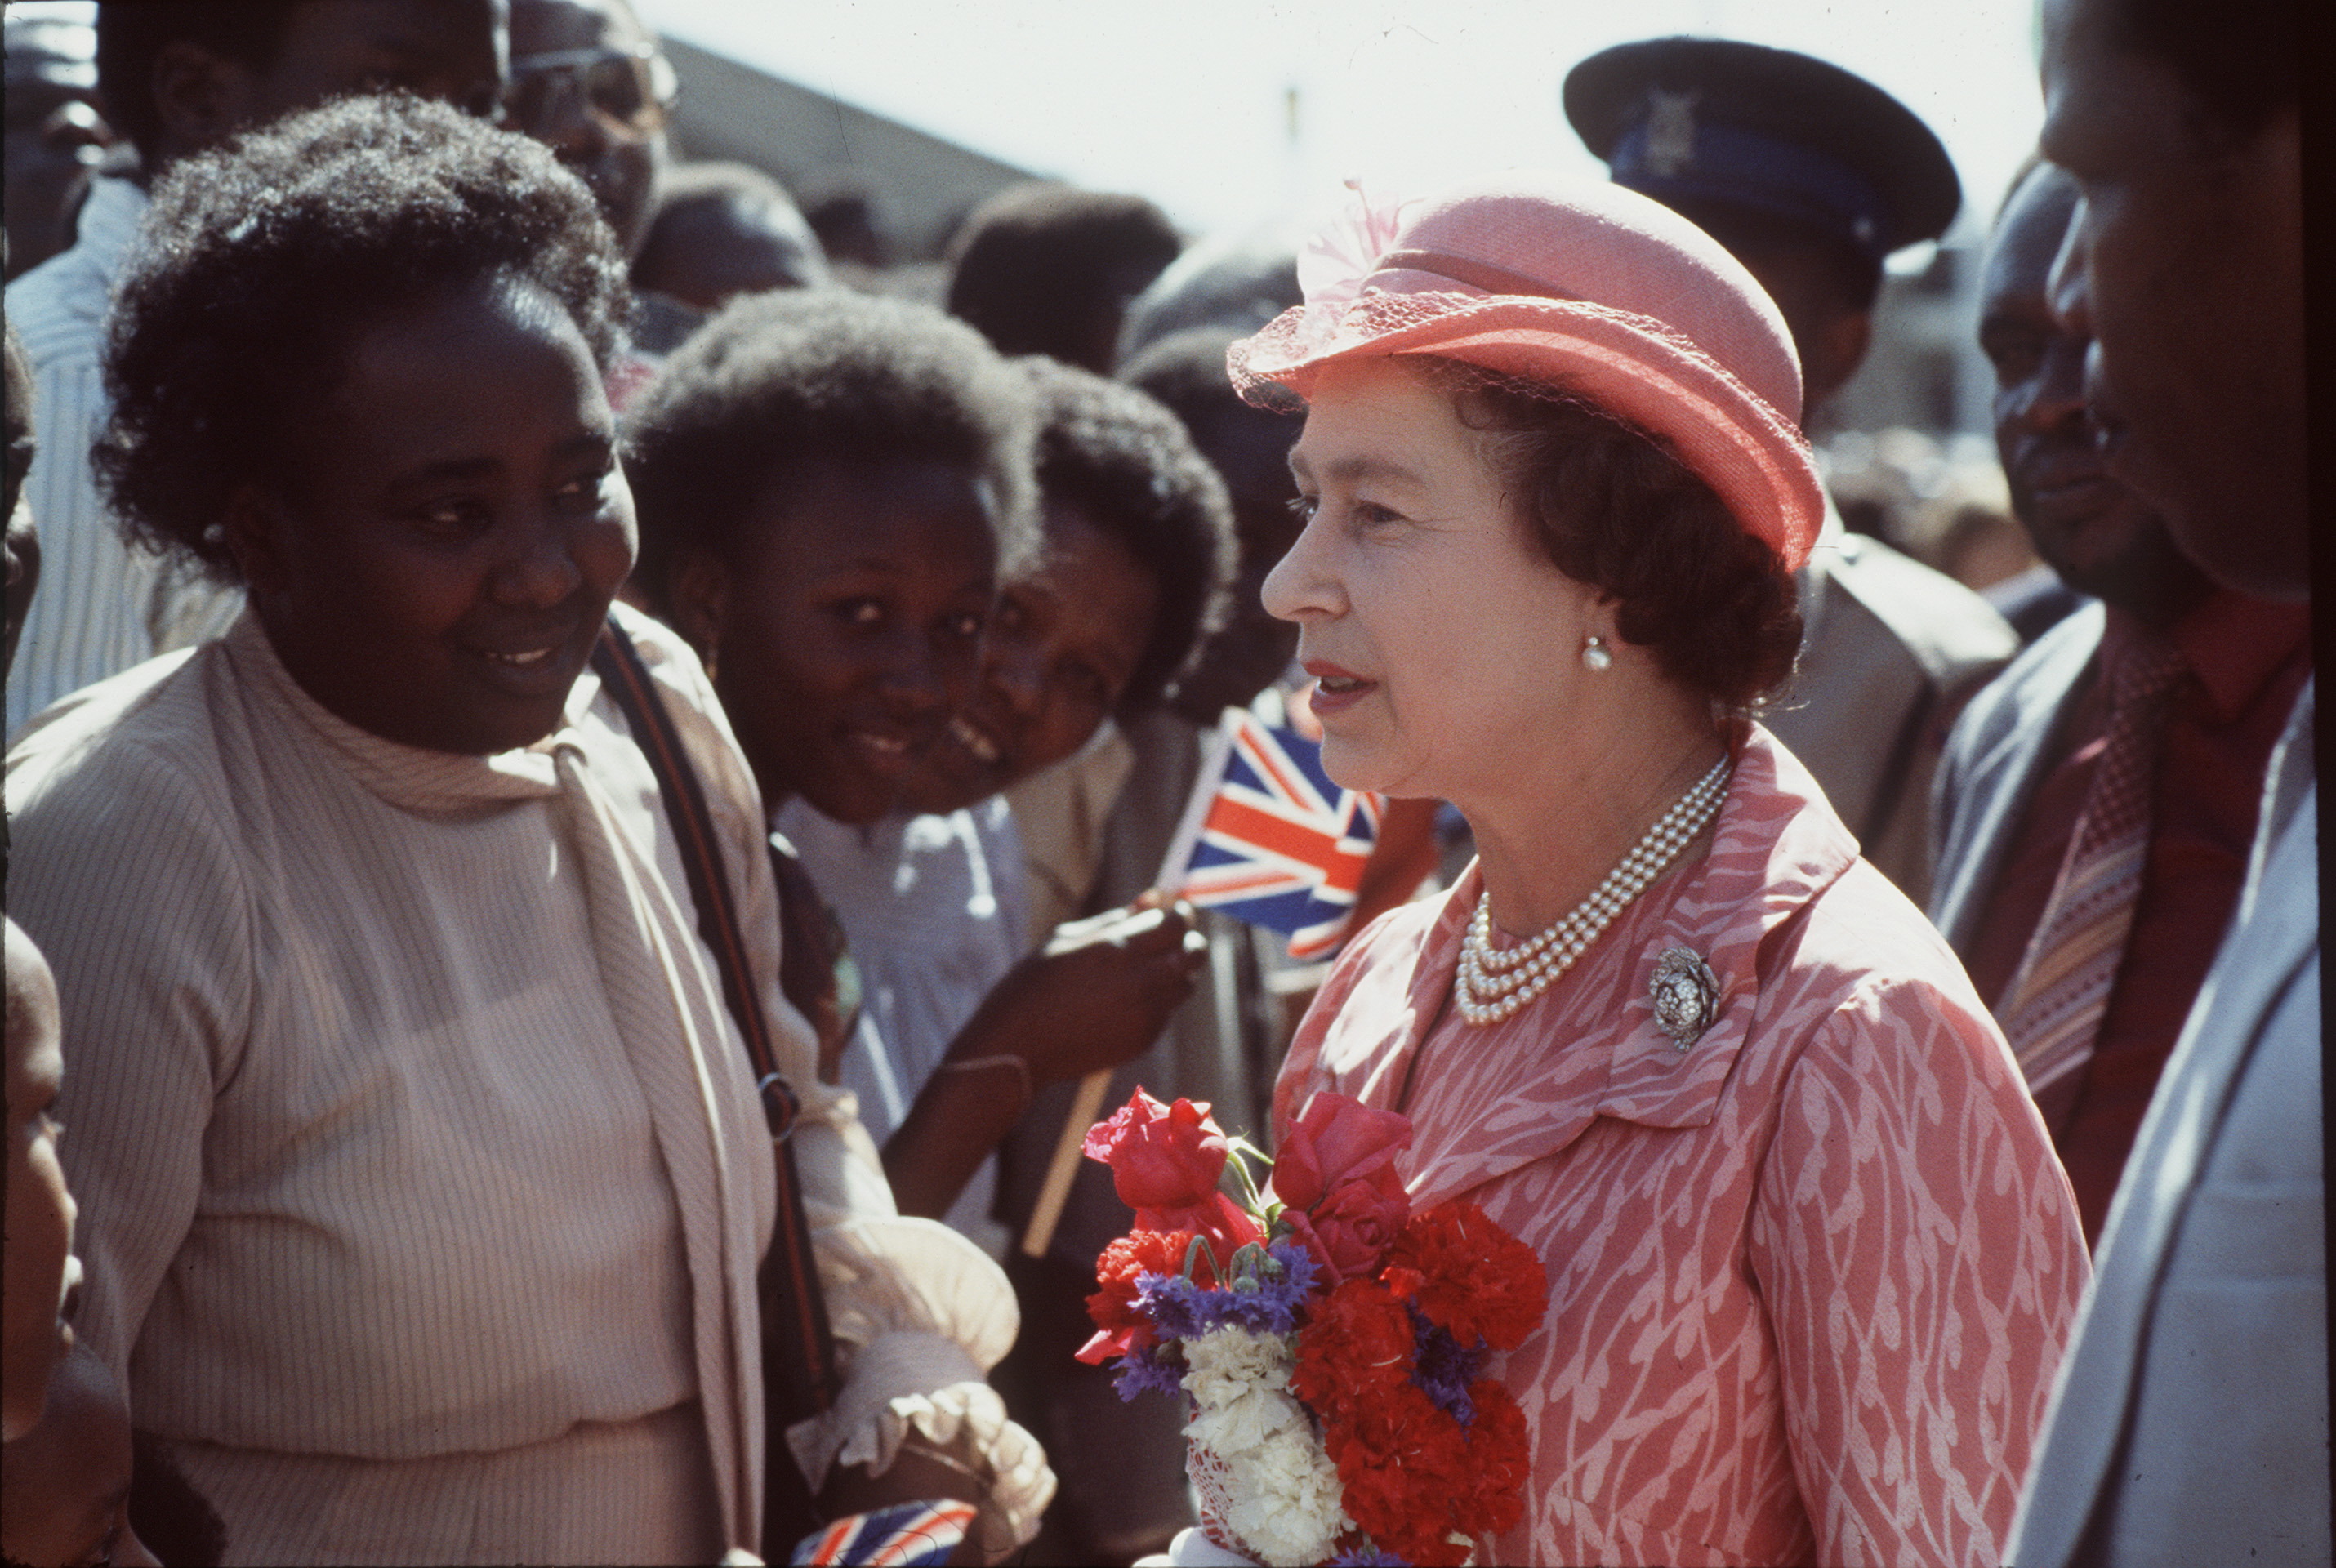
(1686, 995)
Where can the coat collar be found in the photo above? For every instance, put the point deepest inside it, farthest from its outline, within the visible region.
(1524, 1089)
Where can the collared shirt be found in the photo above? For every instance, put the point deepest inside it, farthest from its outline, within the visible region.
(102, 606)
(2247, 661)
(1810, 1276)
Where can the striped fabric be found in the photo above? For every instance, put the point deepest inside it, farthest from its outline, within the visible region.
(1809, 1277)
(2051, 1013)
(415, 1153)
(101, 607)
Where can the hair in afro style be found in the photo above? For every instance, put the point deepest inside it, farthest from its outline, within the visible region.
(264, 261)
(1047, 268)
(1613, 506)
(775, 382)
(1127, 464)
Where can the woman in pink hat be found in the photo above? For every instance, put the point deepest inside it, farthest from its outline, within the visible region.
(1812, 1262)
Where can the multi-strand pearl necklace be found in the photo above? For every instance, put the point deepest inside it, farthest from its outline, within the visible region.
(1493, 983)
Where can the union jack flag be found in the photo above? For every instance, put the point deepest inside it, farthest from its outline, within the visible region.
(1274, 842)
(905, 1535)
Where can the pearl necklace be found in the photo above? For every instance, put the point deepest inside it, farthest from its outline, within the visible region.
(1493, 983)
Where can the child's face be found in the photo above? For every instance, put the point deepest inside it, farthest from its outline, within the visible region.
(68, 1479)
(846, 628)
(1066, 638)
(42, 1271)
(442, 559)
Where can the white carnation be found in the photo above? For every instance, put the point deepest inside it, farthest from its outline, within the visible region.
(1225, 1363)
(1282, 1493)
(1286, 1503)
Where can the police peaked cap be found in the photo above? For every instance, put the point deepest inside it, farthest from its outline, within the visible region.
(1693, 121)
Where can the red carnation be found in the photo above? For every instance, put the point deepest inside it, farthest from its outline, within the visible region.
(1499, 1460)
(1121, 1325)
(1476, 1279)
(1403, 1471)
(1357, 1345)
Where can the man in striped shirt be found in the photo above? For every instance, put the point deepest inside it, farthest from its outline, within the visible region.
(177, 78)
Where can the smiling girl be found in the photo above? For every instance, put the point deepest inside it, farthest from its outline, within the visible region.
(424, 1182)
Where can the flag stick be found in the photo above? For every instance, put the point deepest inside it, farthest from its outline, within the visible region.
(1055, 1191)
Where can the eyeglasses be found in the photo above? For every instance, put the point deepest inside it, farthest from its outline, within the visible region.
(631, 89)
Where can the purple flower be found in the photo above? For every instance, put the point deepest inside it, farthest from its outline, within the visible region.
(1263, 1301)
(1151, 1369)
(1368, 1557)
(1175, 1304)
(1443, 1370)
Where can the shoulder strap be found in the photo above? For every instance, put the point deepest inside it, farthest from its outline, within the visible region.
(628, 680)
(798, 1348)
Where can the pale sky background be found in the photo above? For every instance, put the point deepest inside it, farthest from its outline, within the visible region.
(1187, 101)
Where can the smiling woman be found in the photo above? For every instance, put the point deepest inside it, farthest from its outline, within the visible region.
(424, 1182)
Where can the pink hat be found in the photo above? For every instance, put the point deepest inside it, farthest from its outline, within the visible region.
(1578, 284)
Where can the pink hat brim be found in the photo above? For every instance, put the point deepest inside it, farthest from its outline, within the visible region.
(1755, 459)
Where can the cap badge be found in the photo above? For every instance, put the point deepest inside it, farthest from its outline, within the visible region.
(1686, 995)
(1670, 132)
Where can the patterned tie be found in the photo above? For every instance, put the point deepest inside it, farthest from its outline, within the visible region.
(2052, 1012)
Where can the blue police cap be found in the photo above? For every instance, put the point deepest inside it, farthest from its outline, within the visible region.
(1701, 121)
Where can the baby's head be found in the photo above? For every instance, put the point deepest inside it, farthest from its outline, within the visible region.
(828, 487)
(1136, 548)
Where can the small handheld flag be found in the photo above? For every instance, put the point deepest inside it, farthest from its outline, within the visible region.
(905, 1535)
(1268, 839)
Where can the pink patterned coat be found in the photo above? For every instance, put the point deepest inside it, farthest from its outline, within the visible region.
(1810, 1276)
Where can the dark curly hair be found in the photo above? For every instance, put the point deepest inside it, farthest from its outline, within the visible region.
(1126, 462)
(1047, 268)
(1613, 506)
(264, 261)
(776, 381)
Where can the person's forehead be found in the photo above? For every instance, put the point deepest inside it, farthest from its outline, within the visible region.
(547, 27)
(2019, 253)
(1379, 417)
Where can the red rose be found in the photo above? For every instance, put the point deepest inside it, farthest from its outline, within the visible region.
(1350, 1231)
(1337, 1140)
(1161, 1156)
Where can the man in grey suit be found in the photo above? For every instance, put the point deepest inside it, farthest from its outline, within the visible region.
(2190, 1421)
(2019, 780)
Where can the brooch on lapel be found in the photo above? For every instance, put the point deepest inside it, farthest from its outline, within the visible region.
(1686, 995)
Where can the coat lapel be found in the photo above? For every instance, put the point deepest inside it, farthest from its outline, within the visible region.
(1487, 1100)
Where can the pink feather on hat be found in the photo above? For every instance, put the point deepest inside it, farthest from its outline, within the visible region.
(1582, 285)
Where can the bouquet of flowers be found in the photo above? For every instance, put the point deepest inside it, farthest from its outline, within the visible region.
(1329, 1342)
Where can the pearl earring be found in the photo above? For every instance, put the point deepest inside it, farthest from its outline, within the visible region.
(1594, 656)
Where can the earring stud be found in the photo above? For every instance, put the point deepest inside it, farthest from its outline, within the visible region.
(1595, 654)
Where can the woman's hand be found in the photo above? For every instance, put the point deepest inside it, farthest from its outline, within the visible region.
(1098, 994)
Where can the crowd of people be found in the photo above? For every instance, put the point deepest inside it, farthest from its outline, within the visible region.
(591, 769)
